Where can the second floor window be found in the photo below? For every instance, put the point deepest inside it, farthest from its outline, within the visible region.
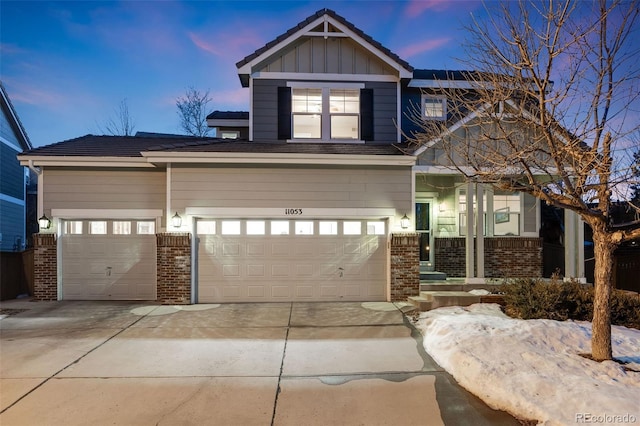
(434, 108)
(325, 113)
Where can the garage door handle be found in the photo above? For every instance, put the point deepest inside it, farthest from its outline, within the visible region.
(109, 271)
(341, 269)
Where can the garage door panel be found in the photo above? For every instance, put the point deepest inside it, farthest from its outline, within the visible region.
(291, 267)
(108, 266)
(256, 249)
(230, 249)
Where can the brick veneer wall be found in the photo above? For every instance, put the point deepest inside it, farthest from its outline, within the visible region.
(45, 267)
(513, 257)
(450, 256)
(174, 268)
(405, 266)
(510, 257)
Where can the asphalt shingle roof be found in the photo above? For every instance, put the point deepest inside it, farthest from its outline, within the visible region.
(228, 115)
(133, 146)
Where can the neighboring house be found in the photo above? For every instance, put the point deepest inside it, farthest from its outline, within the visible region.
(13, 178)
(310, 196)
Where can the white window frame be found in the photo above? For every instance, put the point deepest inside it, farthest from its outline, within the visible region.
(325, 131)
(440, 99)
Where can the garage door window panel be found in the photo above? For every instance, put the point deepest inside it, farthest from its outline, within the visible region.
(279, 227)
(352, 228)
(206, 227)
(328, 228)
(97, 227)
(146, 227)
(122, 227)
(230, 227)
(73, 227)
(256, 227)
(304, 227)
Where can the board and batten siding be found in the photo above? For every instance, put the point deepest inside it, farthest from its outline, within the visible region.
(104, 189)
(327, 55)
(265, 110)
(295, 187)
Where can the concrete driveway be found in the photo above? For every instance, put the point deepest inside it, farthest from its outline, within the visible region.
(125, 363)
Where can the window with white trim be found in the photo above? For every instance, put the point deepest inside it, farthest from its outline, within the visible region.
(434, 107)
(326, 113)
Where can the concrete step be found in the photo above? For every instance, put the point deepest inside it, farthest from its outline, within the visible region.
(451, 285)
(428, 300)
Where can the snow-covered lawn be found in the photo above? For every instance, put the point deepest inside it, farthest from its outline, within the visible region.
(533, 368)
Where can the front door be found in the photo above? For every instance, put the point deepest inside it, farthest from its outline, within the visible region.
(423, 228)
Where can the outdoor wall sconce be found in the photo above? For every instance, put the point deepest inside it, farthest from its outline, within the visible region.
(176, 220)
(404, 222)
(44, 222)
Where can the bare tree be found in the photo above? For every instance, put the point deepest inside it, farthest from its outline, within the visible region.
(546, 112)
(121, 123)
(192, 110)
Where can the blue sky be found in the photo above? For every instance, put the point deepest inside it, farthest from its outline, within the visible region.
(68, 65)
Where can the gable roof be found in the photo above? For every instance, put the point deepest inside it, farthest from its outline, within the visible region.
(14, 120)
(244, 65)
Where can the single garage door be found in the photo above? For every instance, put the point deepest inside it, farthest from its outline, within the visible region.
(291, 260)
(108, 260)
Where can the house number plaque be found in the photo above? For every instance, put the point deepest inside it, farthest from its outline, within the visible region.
(293, 212)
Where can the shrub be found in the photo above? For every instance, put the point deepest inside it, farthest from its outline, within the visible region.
(557, 300)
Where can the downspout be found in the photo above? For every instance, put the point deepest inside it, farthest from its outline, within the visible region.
(40, 202)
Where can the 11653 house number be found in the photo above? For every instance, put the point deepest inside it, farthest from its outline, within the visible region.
(293, 212)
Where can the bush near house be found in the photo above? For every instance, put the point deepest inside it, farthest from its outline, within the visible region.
(558, 300)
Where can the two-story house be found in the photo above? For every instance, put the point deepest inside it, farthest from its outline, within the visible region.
(311, 196)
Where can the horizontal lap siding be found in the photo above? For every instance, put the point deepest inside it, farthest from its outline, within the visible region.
(286, 187)
(11, 226)
(104, 189)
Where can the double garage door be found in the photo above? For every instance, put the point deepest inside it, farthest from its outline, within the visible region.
(291, 260)
(108, 260)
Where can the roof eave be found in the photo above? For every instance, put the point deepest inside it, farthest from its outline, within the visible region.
(279, 158)
(81, 161)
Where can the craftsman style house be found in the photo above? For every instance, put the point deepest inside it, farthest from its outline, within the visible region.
(313, 195)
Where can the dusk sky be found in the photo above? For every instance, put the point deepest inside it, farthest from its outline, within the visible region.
(67, 65)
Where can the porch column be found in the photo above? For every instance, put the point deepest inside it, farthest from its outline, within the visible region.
(480, 231)
(469, 236)
(573, 246)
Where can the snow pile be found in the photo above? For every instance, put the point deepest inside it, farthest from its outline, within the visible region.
(533, 369)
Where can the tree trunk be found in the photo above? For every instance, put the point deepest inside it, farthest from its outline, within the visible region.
(603, 275)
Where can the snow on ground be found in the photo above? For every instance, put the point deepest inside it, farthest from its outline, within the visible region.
(533, 368)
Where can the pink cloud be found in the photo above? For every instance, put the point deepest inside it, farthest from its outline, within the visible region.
(229, 44)
(203, 45)
(423, 46)
(415, 8)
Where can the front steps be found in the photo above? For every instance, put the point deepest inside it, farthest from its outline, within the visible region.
(452, 292)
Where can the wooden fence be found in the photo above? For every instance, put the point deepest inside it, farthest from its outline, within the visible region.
(16, 276)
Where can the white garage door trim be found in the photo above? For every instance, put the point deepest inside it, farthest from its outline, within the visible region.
(102, 259)
(266, 260)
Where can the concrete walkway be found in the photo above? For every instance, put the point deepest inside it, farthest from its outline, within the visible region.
(125, 363)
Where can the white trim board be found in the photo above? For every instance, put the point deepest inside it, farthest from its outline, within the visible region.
(106, 213)
(307, 213)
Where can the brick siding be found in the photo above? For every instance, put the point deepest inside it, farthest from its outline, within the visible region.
(174, 268)
(511, 257)
(405, 266)
(45, 267)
